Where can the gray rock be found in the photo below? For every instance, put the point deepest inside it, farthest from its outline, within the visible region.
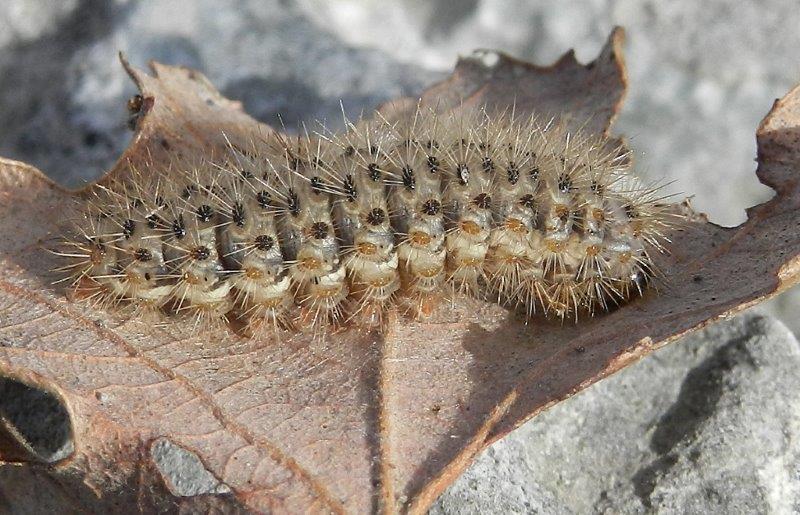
(183, 471)
(710, 424)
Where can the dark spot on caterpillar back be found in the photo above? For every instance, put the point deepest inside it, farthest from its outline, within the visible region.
(482, 200)
(564, 183)
(409, 181)
(293, 202)
(527, 201)
(204, 213)
(376, 216)
(263, 198)
(143, 255)
(238, 214)
(431, 207)
(350, 188)
(200, 253)
(319, 230)
(513, 173)
(264, 242)
(374, 172)
(433, 164)
(317, 186)
(179, 228)
(487, 164)
(128, 228)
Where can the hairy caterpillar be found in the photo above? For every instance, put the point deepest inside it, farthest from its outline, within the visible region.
(320, 230)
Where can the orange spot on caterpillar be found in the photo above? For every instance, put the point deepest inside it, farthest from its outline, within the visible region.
(516, 225)
(367, 249)
(555, 246)
(420, 238)
(470, 227)
(431, 272)
(593, 250)
(310, 264)
(253, 273)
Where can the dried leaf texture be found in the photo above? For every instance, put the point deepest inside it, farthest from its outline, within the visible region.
(357, 423)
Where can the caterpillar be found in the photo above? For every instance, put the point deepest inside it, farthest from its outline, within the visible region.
(323, 230)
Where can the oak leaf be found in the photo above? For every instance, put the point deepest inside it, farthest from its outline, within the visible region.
(360, 422)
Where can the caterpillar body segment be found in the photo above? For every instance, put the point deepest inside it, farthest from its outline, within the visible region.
(419, 211)
(309, 241)
(362, 175)
(249, 239)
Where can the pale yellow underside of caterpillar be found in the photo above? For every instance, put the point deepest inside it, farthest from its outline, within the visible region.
(322, 231)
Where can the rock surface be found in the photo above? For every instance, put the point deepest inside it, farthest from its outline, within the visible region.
(710, 424)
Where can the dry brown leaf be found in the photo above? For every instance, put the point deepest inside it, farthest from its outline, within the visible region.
(358, 423)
